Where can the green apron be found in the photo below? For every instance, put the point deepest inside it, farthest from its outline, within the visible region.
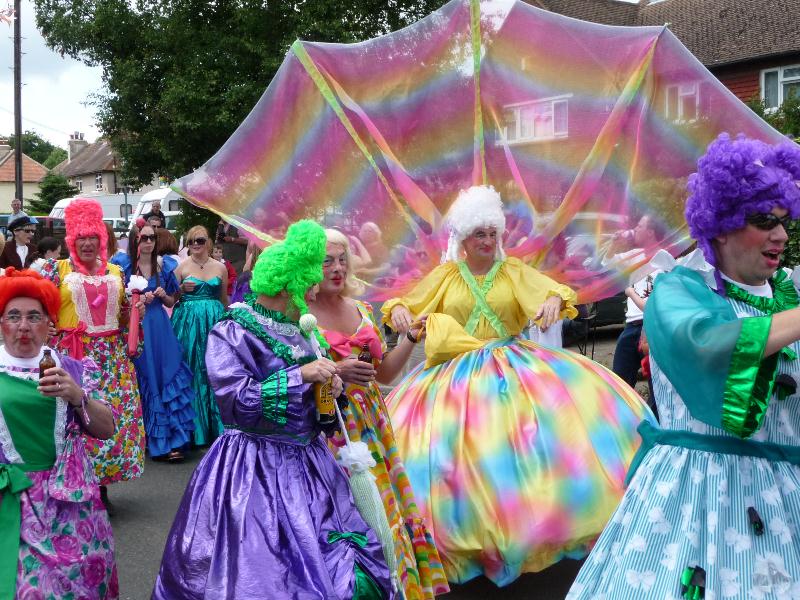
(30, 420)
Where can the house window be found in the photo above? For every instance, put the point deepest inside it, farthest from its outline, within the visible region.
(79, 184)
(539, 120)
(98, 182)
(683, 102)
(778, 85)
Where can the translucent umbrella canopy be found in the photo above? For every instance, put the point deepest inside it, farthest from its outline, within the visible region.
(582, 128)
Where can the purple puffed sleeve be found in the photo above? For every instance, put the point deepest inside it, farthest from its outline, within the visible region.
(250, 382)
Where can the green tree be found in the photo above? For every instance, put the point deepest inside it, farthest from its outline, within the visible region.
(51, 189)
(180, 75)
(57, 156)
(38, 148)
(786, 119)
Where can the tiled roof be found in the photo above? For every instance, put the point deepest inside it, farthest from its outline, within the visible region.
(32, 171)
(94, 158)
(717, 32)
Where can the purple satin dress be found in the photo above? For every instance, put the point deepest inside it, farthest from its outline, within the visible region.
(256, 517)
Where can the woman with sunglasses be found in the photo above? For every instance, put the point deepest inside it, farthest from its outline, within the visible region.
(19, 252)
(714, 497)
(203, 297)
(165, 380)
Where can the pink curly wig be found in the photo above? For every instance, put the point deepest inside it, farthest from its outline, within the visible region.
(84, 218)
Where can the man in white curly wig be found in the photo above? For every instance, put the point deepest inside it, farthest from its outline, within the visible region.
(477, 207)
(473, 422)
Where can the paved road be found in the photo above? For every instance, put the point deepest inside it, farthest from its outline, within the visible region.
(144, 514)
(145, 509)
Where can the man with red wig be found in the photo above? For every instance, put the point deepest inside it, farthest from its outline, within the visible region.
(56, 540)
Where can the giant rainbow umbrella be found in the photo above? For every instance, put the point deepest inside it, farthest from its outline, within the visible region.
(582, 128)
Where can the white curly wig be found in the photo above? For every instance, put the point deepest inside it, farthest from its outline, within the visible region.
(478, 206)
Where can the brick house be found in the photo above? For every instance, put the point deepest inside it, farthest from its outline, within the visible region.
(752, 47)
(32, 174)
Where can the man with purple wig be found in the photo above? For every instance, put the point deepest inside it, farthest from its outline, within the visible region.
(714, 496)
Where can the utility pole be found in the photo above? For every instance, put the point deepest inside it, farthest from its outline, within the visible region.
(18, 99)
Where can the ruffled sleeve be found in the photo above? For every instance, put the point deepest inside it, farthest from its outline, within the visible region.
(123, 261)
(532, 288)
(426, 297)
(169, 283)
(714, 359)
(239, 390)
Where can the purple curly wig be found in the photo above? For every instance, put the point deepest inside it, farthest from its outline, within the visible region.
(738, 178)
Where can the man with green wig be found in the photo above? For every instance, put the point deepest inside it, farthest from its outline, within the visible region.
(268, 513)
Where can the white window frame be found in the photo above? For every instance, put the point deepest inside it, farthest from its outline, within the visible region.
(781, 80)
(683, 93)
(79, 183)
(98, 182)
(517, 108)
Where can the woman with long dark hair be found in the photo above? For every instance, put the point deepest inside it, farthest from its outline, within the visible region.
(165, 381)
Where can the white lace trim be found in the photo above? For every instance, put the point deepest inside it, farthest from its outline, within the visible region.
(7, 443)
(60, 425)
(284, 329)
(75, 282)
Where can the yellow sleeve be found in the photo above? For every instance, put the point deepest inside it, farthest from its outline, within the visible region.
(532, 288)
(426, 296)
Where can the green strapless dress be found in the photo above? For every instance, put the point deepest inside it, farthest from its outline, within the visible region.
(192, 319)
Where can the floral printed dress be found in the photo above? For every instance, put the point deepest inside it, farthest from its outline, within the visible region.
(88, 325)
(66, 546)
(420, 570)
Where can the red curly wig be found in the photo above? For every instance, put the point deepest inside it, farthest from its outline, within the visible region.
(29, 284)
(84, 218)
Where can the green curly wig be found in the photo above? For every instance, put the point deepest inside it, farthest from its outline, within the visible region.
(294, 264)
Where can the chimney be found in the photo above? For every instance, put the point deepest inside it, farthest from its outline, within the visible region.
(75, 146)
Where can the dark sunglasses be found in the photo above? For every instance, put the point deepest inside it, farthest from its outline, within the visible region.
(147, 238)
(768, 221)
(201, 241)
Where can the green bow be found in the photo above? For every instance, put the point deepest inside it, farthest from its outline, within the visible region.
(359, 539)
(691, 591)
(13, 481)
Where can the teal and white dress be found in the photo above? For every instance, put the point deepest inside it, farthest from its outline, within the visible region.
(717, 491)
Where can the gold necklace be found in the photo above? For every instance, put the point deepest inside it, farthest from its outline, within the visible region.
(202, 266)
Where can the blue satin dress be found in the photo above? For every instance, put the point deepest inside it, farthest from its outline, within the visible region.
(192, 320)
(165, 380)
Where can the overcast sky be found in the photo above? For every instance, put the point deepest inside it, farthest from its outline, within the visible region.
(54, 91)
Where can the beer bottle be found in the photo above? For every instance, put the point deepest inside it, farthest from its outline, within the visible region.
(365, 355)
(47, 362)
(326, 410)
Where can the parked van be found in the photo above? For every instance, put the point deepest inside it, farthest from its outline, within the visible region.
(171, 205)
(115, 206)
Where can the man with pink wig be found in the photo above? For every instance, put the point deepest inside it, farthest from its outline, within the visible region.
(92, 322)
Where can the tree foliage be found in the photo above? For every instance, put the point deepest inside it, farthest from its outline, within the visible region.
(786, 119)
(180, 75)
(39, 149)
(51, 189)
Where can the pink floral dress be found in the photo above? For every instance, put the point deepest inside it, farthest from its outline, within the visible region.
(66, 546)
(88, 325)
